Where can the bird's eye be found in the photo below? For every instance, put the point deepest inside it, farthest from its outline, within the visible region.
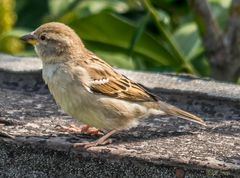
(42, 37)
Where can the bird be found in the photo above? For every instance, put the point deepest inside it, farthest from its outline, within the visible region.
(89, 89)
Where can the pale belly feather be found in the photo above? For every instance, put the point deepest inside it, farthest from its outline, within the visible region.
(101, 112)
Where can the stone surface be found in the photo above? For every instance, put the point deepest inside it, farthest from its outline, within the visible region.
(153, 149)
(13, 64)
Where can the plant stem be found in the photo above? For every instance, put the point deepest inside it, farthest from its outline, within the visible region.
(168, 38)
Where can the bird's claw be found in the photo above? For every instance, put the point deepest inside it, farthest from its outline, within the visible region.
(101, 141)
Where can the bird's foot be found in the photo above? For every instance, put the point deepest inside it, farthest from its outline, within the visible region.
(101, 141)
(86, 129)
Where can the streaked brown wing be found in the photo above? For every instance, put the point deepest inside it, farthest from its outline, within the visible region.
(105, 80)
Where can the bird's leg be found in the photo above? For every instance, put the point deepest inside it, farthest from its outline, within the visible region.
(101, 141)
(87, 129)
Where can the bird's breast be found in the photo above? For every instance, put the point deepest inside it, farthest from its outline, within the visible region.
(70, 94)
(48, 72)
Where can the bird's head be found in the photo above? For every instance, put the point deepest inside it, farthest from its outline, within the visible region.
(53, 41)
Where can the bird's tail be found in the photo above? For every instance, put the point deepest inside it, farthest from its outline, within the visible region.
(174, 111)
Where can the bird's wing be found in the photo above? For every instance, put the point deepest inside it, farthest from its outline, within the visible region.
(106, 81)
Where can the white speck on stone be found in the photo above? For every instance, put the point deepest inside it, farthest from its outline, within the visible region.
(32, 125)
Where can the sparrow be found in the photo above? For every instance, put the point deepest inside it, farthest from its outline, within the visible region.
(89, 89)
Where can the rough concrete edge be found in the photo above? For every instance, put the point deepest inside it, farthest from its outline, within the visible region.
(31, 64)
(112, 153)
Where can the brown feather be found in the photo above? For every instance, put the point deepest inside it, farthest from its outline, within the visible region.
(118, 85)
(174, 111)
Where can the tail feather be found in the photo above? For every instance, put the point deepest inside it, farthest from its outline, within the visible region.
(174, 111)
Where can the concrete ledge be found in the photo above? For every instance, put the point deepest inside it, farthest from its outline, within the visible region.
(155, 148)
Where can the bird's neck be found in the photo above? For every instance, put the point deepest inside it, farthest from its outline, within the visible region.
(66, 56)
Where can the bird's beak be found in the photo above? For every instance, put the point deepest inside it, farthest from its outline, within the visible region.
(30, 38)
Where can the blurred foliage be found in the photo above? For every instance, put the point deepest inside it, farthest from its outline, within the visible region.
(7, 15)
(135, 34)
(8, 42)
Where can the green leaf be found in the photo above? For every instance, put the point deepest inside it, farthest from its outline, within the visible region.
(190, 43)
(59, 6)
(31, 13)
(111, 30)
(138, 33)
(115, 56)
(188, 39)
(180, 59)
(220, 11)
(201, 64)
